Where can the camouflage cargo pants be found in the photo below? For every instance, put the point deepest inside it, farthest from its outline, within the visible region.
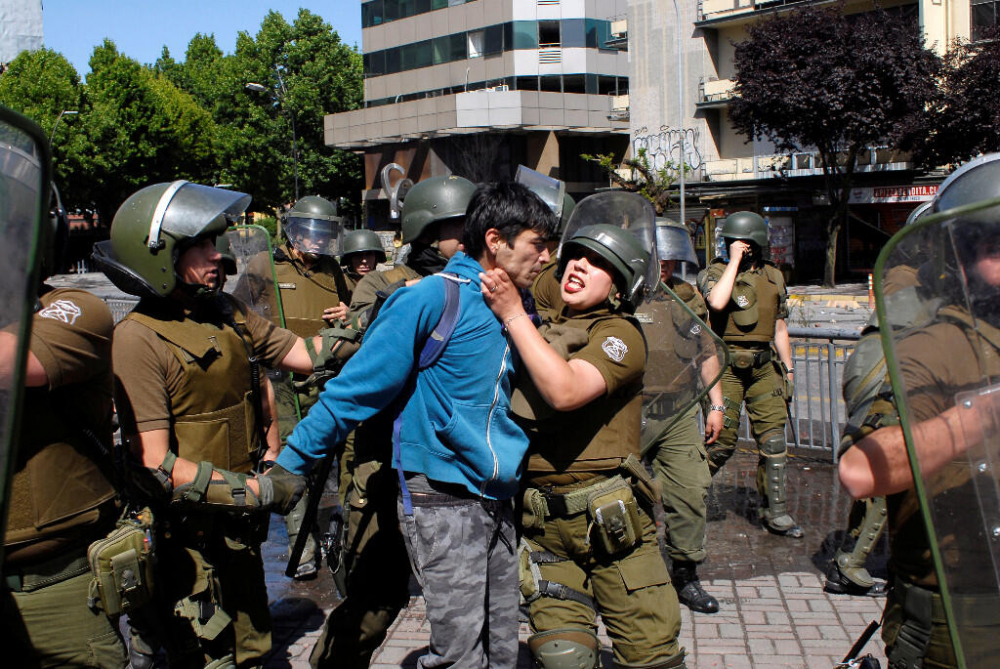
(462, 551)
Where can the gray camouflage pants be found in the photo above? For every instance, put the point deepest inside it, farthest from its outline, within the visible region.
(463, 554)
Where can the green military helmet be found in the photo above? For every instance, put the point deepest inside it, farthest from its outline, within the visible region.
(746, 226)
(312, 226)
(360, 241)
(623, 250)
(155, 225)
(432, 201)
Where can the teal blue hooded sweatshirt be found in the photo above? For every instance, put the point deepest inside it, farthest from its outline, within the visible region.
(456, 424)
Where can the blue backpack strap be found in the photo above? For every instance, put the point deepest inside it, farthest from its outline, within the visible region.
(432, 349)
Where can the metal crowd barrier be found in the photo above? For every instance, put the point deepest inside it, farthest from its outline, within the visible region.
(818, 414)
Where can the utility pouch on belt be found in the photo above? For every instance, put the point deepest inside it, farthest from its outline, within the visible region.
(615, 515)
(528, 573)
(122, 565)
(533, 513)
(642, 482)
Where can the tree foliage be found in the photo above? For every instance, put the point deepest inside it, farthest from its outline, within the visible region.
(194, 119)
(817, 79)
(964, 120)
(642, 176)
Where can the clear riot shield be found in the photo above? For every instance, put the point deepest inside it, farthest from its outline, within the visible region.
(24, 191)
(945, 373)
(254, 283)
(685, 359)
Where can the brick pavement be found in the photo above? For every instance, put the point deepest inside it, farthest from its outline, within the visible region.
(774, 610)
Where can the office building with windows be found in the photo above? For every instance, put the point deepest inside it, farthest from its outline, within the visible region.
(477, 87)
(730, 172)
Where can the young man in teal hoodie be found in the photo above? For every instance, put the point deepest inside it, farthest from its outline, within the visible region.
(457, 449)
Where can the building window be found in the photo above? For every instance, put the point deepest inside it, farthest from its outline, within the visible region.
(475, 43)
(525, 34)
(548, 34)
(493, 43)
(527, 83)
(985, 15)
(574, 83)
(574, 33)
(551, 83)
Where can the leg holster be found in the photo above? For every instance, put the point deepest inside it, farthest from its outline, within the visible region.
(566, 648)
(852, 564)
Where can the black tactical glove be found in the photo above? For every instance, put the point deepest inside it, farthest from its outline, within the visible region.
(280, 489)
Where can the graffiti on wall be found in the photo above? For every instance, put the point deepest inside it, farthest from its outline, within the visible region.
(664, 147)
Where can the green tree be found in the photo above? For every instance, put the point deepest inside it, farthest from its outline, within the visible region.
(816, 79)
(308, 73)
(41, 84)
(144, 130)
(964, 120)
(644, 178)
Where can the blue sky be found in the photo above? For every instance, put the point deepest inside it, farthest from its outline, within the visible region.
(140, 28)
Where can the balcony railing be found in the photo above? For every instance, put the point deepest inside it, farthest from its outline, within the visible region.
(803, 164)
(715, 92)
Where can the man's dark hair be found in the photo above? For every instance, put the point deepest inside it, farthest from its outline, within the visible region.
(510, 208)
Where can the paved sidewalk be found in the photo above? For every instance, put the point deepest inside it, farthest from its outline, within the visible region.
(774, 610)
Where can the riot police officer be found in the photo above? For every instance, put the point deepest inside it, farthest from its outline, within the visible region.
(64, 496)
(678, 457)
(589, 542)
(189, 399)
(746, 297)
(943, 372)
(362, 253)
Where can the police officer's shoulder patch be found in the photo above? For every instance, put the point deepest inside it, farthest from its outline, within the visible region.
(62, 310)
(615, 348)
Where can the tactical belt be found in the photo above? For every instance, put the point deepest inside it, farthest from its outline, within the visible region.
(574, 502)
(744, 359)
(42, 574)
(921, 606)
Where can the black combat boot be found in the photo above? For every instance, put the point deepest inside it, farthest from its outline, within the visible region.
(689, 590)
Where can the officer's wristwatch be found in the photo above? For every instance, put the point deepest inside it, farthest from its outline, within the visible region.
(717, 407)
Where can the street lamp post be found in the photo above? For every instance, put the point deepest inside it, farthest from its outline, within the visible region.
(64, 112)
(291, 116)
(680, 103)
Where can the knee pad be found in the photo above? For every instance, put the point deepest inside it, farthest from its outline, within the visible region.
(566, 648)
(772, 443)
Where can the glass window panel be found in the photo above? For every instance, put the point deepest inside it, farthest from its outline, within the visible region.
(508, 36)
(439, 4)
(548, 33)
(406, 8)
(983, 18)
(591, 83)
(574, 83)
(525, 35)
(423, 6)
(622, 85)
(607, 85)
(376, 63)
(390, 10)
(574, 33)
(441, 49)
(392, 60)
(527, 83)
(494, 39)
(603, 34)
(458, 45)
(551, 83)
(475, 43)
(591, 25)
(415, 55)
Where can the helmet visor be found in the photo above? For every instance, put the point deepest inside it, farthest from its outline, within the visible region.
(625, 210)
(550, 190)
(186, 209)
(674, 243)
(314, 236)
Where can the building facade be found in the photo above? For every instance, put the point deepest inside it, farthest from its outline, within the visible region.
(477, 87)
(731, 173)
(20, 28)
